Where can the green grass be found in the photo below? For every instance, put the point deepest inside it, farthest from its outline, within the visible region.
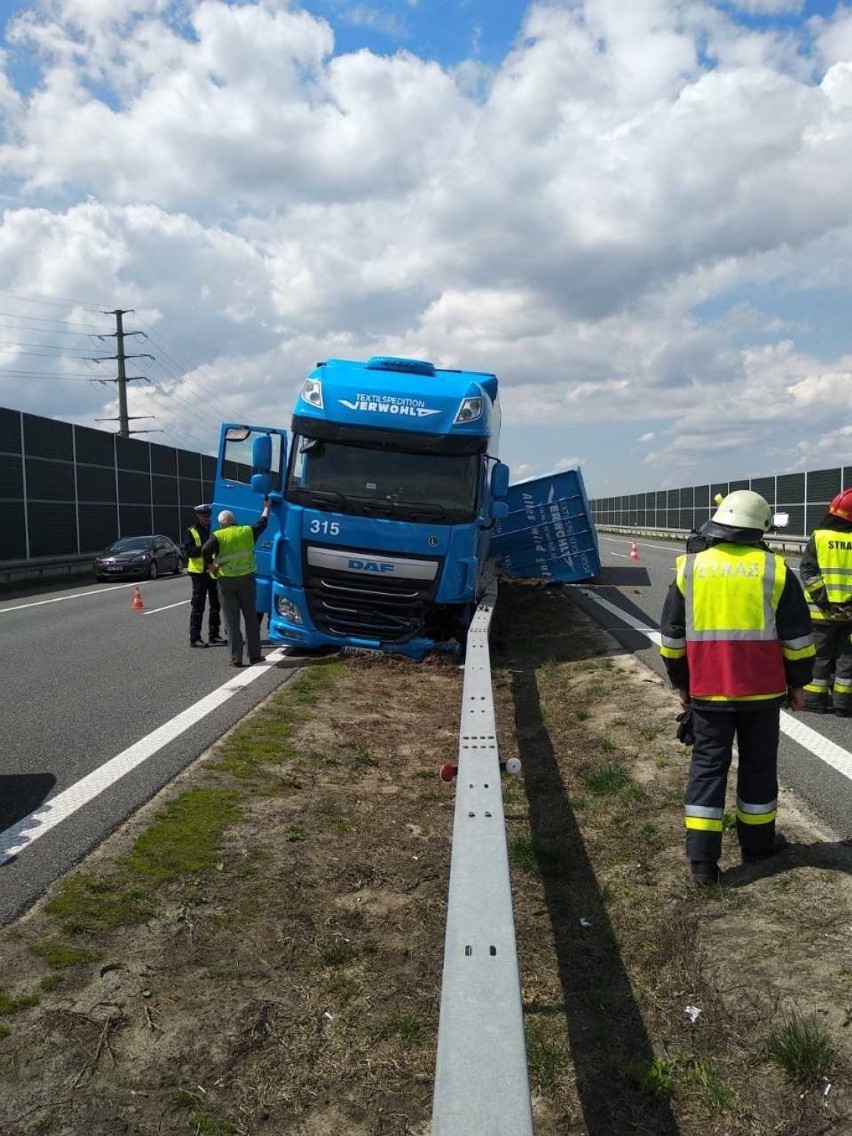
(608, 778)
(4, 1031)
(581, 715)
(802, 1047)
(10, 1005)
(58, 955)
(653, 1077)
(706, 1080)
(547, 1054)
(182, 839)
(294, 833)
(606, 746)
(521, 854)
(405, 1027)
(201, 1121)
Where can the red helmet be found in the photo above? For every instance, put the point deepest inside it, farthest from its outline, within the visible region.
(841, 505)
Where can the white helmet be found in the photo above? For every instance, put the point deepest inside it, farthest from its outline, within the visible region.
(744, 509)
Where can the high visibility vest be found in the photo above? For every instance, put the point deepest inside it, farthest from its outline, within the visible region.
(195, 564)
(236, 551)
(731, 593)
(834, 556)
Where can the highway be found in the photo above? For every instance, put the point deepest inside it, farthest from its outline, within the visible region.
(102, 706)
(816, 766)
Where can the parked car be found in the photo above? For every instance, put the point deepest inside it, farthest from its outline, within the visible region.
(139, 556)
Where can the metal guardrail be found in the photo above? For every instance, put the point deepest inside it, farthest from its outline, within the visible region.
(481, 1078)
(45, 568)
(777, 541)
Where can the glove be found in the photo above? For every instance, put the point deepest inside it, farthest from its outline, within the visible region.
(840, 611)
(684, 730)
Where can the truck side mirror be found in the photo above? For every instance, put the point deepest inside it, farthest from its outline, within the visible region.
(498, 510)
(261, 453)
(499, 482)
(261, 483)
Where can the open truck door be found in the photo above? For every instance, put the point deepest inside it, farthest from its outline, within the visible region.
(252, 465)
(548, 533)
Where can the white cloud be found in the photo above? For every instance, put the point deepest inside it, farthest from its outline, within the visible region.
(586, 219)
(569, 463)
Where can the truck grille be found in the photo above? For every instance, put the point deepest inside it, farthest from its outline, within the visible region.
(346, 604)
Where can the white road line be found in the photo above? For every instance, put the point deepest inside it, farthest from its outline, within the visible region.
(645, 543)
(813, 741)
(56, 809)
(154, 610)
(59, 599)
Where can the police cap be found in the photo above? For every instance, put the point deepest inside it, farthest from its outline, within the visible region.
(204, 510)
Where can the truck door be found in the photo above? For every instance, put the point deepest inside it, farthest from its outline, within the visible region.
(251, 465)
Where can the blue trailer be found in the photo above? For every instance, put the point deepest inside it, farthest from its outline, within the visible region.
(386, 496)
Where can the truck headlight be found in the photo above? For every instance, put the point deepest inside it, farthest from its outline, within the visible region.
(469, 411)
(288, 610)
(312, 392)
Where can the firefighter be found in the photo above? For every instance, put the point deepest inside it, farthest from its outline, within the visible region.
(696, 541)
(826, 572)
(736, 641)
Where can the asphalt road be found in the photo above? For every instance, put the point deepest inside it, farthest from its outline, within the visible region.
(638, 589)
(86, 679)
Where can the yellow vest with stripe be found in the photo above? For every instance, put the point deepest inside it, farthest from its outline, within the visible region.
(195, 564)
(834, 556)
(731, 593)
(236, 551)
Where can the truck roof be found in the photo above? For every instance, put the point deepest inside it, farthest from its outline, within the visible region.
(406, 394)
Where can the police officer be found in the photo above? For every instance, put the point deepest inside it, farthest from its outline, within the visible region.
(229, 553)
(826, 572)
(203, 585)
(736, 640)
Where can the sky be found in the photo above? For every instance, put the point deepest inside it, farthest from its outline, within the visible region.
(638, 213)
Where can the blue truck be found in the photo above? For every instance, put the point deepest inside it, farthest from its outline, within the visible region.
(388, 499)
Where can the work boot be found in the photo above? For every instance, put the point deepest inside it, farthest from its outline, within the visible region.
(778, 845)
(217, 639)
(197, 643)
(705, 872)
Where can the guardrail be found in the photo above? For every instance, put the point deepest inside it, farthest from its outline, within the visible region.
(481, 1078)
(776, 541)
(45, 568)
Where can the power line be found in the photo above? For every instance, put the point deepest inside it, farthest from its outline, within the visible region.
(41, 298)
(43, 319)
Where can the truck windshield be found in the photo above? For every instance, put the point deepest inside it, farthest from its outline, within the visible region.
(383, 483)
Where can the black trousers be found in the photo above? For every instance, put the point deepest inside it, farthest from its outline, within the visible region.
(832, 666)
(756, 733)
(203, 588)
(238, 599)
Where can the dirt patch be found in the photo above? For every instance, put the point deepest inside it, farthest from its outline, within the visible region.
(260, 950)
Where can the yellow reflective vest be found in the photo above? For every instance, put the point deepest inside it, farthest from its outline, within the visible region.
(834, 557)
(731, 593)
(236, 551)
(195, 564)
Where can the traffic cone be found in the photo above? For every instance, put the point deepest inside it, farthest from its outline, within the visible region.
(136, 604)
(634, 551)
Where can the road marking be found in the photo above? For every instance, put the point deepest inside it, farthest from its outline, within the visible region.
(791, 725)
(645, 544)
(154, 610)
(56, 809)
(59, 599)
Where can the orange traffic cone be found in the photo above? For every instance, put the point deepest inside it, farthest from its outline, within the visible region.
(136, 604)
(634, 551)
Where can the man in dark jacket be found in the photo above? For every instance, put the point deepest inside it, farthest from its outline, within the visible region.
(204, 589)
(736, 641)
(826, 572)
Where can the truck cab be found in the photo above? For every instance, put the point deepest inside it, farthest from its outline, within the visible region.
(384, 497)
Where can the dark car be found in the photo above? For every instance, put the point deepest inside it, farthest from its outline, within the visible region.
(139, 556)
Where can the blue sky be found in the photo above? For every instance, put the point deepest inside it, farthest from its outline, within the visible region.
(637, 215)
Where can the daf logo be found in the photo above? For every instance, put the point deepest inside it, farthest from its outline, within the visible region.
(371, 566)
(432, 541)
